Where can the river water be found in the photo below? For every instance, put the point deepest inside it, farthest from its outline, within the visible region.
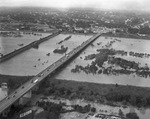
(33, 61)
(135, 45)
(9, 44)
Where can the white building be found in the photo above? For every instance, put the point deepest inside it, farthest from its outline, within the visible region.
(3, 91)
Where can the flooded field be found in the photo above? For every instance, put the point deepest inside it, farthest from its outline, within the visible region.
(9, 44)
(135, 45)
(33, 61)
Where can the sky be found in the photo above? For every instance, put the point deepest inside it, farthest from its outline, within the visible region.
(98, 4)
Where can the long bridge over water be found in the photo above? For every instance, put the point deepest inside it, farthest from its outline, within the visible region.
(30, 84)
(28, 46)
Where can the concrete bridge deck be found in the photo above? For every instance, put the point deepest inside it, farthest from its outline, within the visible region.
(23, 89)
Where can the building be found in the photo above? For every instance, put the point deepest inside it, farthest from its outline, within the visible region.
(3, 91)
(26, 114)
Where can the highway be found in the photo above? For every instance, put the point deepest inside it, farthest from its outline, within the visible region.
(23, 89)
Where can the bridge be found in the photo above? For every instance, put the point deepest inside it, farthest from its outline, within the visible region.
(26, 87)
(30, 45)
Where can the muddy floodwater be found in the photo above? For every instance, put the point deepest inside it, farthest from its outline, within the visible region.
(9, 43)
(135, 45)
(33, 61)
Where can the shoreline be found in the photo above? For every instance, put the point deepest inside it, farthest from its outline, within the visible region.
(90, 90)
(125, 35)
(51, 31)
(5, 77)
(119, 35)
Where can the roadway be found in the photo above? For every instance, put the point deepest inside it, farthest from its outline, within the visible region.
(23, 89)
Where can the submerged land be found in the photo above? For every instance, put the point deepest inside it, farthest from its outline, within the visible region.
(106, 59)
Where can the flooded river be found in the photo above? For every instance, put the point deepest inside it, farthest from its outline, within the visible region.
(9, 44)
(140, 46)
(33, 61)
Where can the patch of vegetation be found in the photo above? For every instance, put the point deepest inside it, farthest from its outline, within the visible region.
(101, 93)
(108, 55)
(84, 109)
(132, 115)
(90, 57)
(61, 50)
(53, 109)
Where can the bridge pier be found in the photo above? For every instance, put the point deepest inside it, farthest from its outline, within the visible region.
(26, 98)
(35, 88)
(22, 101)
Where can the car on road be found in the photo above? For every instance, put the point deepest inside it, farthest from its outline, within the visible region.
(8, 98)
(35, 81)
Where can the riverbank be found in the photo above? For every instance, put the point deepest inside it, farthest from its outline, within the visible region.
(109, 94)
(126, 35)
(121, 35)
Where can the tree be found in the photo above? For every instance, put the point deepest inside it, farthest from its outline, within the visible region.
(93, 109)
(133, 100)
(132, 115)
(52, 115)
(68, 92)
(120, 113)
(91, 92)
(80, 88)
(11, 83)
(116, 85)
(144, 102)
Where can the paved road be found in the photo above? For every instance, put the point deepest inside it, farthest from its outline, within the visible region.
(23, 89)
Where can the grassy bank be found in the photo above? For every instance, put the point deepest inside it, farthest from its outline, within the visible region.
(103, 93)
(111, 94)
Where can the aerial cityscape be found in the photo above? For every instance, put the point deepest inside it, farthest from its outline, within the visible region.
(66, 59)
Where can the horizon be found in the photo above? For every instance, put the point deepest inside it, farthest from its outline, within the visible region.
(127, 5)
